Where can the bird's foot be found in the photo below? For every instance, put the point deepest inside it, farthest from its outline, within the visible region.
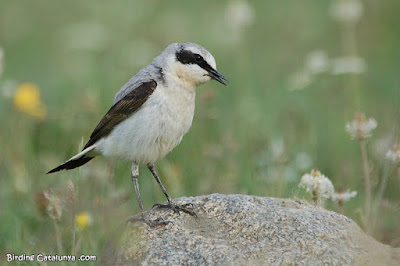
(177, 208)
(156, 222)
(152, 223)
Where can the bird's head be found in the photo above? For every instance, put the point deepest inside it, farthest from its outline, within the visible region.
(192, 64)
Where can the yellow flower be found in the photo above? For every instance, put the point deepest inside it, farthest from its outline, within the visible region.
(27, 100)
(83, 220)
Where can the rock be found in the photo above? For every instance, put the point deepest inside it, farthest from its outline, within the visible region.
(241, 229)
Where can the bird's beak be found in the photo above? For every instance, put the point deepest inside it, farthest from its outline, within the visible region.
(218, 76)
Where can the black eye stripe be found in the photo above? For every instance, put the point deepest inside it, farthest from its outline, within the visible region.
(188, 57)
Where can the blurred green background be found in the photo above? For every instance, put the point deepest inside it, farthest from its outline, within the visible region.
(298, 71)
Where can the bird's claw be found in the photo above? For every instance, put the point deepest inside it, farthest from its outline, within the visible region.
(177, 208)
(156, 222)
(151, 223)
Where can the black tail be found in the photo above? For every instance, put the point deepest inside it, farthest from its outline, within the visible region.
(71, 164)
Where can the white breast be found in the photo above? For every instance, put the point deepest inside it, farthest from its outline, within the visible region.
(154, 130)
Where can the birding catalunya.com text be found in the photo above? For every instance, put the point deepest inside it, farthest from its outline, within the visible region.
(43, 258)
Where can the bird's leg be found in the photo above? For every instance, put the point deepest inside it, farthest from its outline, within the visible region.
(153, 171)
(169, 205)
(135, 177)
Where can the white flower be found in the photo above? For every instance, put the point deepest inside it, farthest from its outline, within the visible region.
(394, 154)
(318, 185)
(382, 145)
(346, 10)
(277, 149)
(341, 196)
(300, 80)
(238, 15)
(317, 62)
(360, 128)
(7, 88)
(348, 65)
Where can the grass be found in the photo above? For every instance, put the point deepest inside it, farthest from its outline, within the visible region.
(255, 136)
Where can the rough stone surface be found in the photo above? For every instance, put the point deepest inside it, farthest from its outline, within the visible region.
(241, 229)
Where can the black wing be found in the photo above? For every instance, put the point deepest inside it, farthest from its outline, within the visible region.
(122, 110)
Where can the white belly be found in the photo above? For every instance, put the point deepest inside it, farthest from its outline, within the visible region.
(154, 130)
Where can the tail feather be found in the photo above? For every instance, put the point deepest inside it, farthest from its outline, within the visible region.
(71, 164)
(76, 161)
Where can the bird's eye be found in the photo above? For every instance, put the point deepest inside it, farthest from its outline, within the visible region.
(198, 58)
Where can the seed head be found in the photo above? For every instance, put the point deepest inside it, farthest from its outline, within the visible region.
(347, 11)
(54, 207)
(71, 195)
(394, 154)
(361, 127)
(343, 196)
(318, 185)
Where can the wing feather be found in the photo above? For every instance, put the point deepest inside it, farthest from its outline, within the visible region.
(121, 110)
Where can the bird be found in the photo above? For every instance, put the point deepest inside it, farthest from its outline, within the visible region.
(150, 115)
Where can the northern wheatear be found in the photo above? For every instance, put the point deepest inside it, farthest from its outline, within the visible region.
(151, 113)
